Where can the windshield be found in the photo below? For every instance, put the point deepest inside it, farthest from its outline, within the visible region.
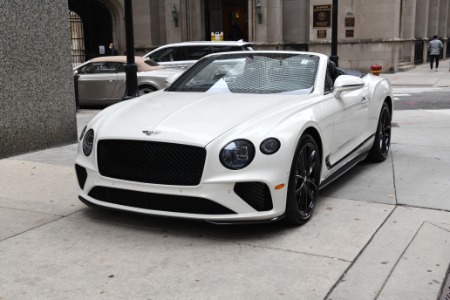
(256, 73)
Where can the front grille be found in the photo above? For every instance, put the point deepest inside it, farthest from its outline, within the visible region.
(161, 202)
(151, 162)
(256, 194)
(81, 175)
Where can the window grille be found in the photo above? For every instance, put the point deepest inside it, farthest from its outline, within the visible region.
(77, 37)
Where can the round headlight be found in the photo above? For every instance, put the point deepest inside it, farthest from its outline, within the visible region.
(88, 142)
(237, 154)
(270, 146)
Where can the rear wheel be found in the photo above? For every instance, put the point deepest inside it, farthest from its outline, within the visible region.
(304, 180)
(145, 89)
(382, 143)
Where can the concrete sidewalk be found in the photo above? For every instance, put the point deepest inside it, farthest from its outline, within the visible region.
(382, 231)
(422, 75)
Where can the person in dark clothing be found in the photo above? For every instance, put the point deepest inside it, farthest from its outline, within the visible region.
(435, 48)
(235, 32)
(113, 50)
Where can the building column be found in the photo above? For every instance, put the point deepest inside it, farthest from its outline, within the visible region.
(407, 26)
(192, 20)
(274, 12)
(270, 30)
(433, 17)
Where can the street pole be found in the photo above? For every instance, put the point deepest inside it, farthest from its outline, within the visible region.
(334, 32)
(130, 66)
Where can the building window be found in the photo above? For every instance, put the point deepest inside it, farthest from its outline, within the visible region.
(77, 37)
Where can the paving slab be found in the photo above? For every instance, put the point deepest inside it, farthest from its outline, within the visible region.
(422, 176)
(422, 158)
(80, 258)
(400, 236)
(367, 181)
(38, 187)
(424, 263)
(339, 229)
(15, 221)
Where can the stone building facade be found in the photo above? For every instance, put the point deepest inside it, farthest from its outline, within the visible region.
(36, 84)
(387, 32)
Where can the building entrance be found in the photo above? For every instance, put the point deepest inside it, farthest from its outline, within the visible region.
(91, 25)
(227, 16)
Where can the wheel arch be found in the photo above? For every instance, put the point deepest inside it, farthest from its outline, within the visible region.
(389, 102)
(314, 133)
(148, 84)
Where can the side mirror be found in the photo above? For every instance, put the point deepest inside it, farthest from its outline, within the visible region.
(172, 77)
(347, 83)
(75, 73)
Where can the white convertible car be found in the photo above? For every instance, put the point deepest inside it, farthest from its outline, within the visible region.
(239, 137)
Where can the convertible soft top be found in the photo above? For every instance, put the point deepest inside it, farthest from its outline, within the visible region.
(143, 64)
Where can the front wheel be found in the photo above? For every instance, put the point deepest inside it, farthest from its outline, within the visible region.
(382, 143)
(145, 89)
(304, 180)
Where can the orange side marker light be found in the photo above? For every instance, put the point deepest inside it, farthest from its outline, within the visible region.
(279, 187)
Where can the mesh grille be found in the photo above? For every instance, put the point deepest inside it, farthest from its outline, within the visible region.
(265, 75)
(81, 175)
(151, 162)
(161, 202)
(256, 194)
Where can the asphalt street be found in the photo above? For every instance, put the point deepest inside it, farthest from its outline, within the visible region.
(382, 231)
(411, 98)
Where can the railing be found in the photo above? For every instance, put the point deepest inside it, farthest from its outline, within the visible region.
(77, 37)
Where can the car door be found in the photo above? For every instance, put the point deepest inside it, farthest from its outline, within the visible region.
(350, 122)
(97, 81)
(121, 81)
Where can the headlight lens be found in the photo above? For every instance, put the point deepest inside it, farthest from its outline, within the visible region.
(237, 154)
(270, 146)
(88, 142)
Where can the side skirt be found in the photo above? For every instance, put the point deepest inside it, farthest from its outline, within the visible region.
(339, 172)
(347, 166)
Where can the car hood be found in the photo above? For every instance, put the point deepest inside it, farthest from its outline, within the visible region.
(188, 118)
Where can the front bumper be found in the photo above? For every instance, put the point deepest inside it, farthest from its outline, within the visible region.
(216, 202)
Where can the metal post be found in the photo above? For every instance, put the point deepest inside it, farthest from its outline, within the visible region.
(130, 66)
(334, 32)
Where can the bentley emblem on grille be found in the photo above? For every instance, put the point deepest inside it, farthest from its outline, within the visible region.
(149, 132)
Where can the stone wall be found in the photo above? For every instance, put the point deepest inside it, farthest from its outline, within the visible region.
(36, 86)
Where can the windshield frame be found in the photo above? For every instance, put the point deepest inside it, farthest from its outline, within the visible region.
(181, 84)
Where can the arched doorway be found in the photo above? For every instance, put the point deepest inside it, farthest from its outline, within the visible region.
(227, 16)
(96, 23)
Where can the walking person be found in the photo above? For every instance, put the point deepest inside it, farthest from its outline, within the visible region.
(435, 47)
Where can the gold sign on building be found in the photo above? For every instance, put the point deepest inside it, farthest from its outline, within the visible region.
(321, 34)
(321, 16)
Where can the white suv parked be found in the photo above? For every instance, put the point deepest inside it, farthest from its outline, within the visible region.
(185, 54)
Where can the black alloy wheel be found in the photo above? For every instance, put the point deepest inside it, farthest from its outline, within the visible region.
(382, 143)
(304, 182)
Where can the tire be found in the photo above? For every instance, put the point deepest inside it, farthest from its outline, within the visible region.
(145, 89)
(304, 180)
(380, 148)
